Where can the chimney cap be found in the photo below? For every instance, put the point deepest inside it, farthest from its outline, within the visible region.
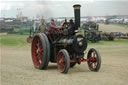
(77, 6)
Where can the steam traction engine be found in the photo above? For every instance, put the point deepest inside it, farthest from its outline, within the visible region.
(92, 31)
(64, 47)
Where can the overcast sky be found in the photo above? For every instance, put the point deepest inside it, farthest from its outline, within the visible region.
(63, 8)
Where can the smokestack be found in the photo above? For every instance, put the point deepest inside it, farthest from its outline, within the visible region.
(77, 14)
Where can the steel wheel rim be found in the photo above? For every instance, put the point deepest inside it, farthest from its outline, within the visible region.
(37, 51)
(61, 61)
(92, 60)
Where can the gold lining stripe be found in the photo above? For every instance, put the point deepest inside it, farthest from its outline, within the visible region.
(77, 7)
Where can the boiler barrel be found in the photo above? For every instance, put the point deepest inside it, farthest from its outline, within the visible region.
(64, 41)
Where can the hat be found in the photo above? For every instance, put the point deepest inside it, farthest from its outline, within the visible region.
(52, 19)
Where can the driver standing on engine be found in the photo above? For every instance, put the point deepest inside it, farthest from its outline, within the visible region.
(42, 26)
(52, 26)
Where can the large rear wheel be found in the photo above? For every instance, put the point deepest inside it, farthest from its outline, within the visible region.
(39, 52)
(47, 49)
(63, 61)
(94, 60)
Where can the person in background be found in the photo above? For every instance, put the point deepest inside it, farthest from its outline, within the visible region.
(72, 27)
(52, 26)
(65, 24)
(42, 26)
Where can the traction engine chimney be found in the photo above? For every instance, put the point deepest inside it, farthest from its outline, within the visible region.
(77, 15)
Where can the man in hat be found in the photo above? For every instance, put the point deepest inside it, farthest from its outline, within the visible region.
(52, 26)
(42, 26)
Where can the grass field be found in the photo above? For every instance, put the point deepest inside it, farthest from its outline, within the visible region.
(122, 25)
(13, 40)
(16, 39)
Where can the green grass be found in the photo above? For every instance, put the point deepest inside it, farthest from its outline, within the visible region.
(122, 25)
(13, 40)
(116, 41)
(21, 29)
(20, 40)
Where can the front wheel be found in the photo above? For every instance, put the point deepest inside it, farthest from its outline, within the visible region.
(63, 61)
(94, 60)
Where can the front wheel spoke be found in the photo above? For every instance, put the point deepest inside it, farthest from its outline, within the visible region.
(62, 64)
(95, 64)
(95, 59)
(91, 65)
(90, 59)
(61, 60)
(35, 48)
(93, 54)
